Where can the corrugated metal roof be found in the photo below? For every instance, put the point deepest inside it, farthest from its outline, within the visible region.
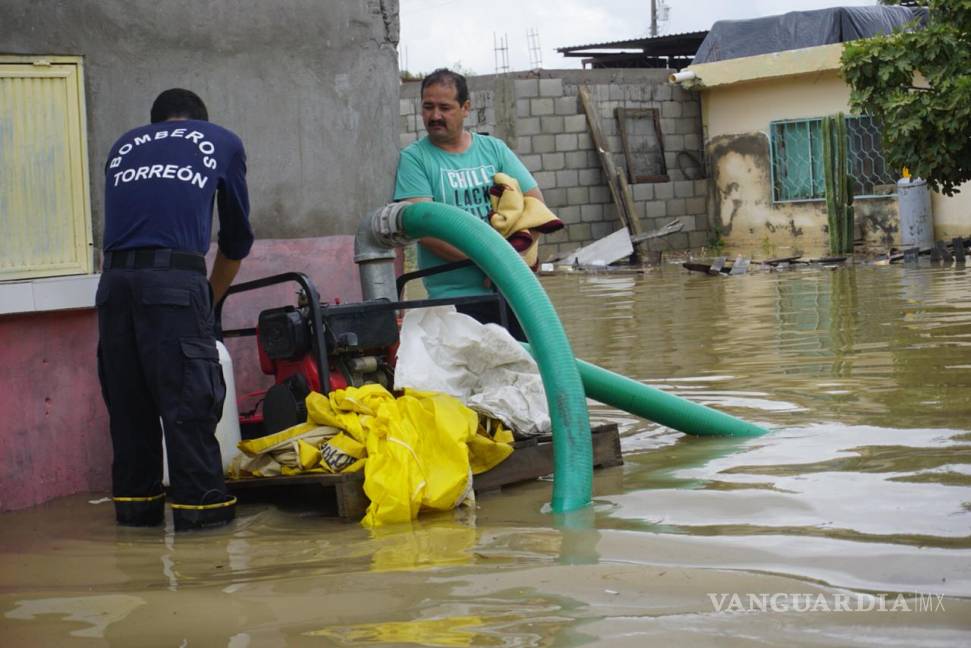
(641, 43)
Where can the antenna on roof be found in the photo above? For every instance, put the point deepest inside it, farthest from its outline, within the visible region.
(659, 14)
(535, 53)
(501, 50)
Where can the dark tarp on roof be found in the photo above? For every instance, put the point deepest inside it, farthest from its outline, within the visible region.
(730, 39)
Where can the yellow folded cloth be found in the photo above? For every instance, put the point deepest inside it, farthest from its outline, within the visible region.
(517, 217)
(418, 450)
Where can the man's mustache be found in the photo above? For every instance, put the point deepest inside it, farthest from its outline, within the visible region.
(437, 122)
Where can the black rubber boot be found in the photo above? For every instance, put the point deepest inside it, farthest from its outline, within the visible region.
(140, 511)
(203, 516)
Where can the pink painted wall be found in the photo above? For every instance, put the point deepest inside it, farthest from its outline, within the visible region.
(53, 425)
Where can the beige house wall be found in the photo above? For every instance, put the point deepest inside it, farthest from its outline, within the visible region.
(749, 107)
(952, 215)
(740, 98)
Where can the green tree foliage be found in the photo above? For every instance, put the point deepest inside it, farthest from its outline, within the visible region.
(918, 85)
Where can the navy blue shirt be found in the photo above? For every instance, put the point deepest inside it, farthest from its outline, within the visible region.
(160, 182)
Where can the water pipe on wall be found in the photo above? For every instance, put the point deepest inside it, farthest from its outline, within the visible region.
(682, 76)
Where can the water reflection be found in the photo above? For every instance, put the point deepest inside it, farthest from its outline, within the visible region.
(93, 613)
(867, 345)
(423, 544)
(579, 536)
(863, 371)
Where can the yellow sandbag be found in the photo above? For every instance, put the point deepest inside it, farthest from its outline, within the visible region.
(418, 457)
(490, 446)
(308, 455)
(256, 447)
(342, 453)
(418, 451)
(362, 400)
(446, 427)
(321, 411)
(348, 409)
(393, 479)
(288, 452)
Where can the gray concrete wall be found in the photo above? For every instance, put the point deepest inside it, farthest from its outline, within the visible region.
(310, 87)
(539, 115)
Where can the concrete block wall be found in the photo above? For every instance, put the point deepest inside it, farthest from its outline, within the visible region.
(539, 116)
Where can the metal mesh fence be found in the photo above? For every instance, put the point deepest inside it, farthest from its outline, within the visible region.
(797, 160)
(865, 162)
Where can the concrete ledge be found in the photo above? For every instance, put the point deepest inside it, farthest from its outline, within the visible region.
(809, 60)
(52, 294)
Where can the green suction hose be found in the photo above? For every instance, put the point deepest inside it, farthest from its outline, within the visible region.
(572, 446)
(659, 406)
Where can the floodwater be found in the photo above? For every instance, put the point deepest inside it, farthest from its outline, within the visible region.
(849, 524)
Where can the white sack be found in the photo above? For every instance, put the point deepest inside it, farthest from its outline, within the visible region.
(480, 364)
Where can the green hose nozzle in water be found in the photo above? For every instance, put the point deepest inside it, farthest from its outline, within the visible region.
(572, 445)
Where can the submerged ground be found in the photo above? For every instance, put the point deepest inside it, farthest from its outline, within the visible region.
(849, 525)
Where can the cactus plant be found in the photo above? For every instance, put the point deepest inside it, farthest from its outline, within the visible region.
(839, 193)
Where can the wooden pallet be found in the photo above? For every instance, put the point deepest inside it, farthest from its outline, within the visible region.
(343, 495)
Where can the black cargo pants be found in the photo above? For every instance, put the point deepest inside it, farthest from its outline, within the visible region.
(157, 358)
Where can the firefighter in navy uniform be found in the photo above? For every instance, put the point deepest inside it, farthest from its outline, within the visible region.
(157, 353)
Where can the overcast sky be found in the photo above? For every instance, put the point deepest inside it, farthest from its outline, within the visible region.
(436, 33)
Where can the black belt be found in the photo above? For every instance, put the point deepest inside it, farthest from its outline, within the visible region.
(141, 258)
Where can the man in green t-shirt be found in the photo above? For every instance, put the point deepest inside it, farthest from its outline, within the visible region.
(454, 166)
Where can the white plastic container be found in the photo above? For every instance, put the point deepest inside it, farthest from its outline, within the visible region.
(227, 430)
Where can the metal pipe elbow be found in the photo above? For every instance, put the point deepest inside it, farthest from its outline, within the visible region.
(379, 233)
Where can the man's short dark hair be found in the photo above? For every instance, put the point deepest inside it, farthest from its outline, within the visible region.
(444, 76)
(177, 102)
